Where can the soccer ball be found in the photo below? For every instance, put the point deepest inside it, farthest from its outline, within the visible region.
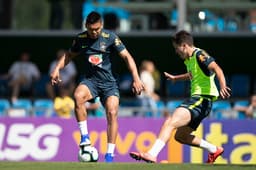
(88, 154)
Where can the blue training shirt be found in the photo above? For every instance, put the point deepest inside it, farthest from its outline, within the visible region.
(97, 54)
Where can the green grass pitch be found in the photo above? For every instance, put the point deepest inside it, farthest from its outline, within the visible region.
(117, 166)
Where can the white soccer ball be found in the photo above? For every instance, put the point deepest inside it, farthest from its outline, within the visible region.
(88, 154)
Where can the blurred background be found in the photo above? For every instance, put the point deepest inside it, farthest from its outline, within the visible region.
(33, 33)
(224, 28)
(131, 15)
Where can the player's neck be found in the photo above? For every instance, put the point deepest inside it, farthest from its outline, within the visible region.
(191, 51)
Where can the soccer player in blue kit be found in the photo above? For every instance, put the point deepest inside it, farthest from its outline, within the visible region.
(96, 45)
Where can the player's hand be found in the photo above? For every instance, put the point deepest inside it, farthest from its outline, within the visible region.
(225, 92)
(55, 77)
(137, 87)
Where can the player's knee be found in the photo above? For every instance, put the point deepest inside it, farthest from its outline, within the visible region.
(78, 96)
(112, 113)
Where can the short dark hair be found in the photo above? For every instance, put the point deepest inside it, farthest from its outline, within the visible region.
(93, 17)
(183, 37)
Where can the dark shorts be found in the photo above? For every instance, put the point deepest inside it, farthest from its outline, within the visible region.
(102, 90)
(199, 107)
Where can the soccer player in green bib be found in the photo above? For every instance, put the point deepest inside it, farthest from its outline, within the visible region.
(201, 70)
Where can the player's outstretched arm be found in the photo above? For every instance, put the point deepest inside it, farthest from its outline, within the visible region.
(174, 78)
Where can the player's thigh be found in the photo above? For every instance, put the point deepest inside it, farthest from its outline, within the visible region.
(82, 93)
(181, 117)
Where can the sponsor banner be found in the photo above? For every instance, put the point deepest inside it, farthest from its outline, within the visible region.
(56, 139)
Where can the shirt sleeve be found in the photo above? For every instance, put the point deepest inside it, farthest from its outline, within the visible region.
(118, 44)
(76, 45)
(204, 59)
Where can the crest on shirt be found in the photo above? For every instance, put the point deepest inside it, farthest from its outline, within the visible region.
(95, 59)
(103, 46)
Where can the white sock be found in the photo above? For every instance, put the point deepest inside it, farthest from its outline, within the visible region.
(156, 148)
(83, 127)
(208, 146)
(111, 148)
